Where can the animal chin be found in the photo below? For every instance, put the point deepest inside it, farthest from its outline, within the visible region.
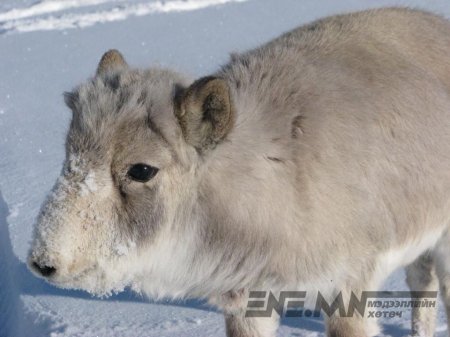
(82, 279)
(96, 282)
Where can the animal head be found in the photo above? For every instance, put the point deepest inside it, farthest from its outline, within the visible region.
(123, 207)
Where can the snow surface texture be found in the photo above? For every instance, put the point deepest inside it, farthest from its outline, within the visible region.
(47, 47)
(29, 19)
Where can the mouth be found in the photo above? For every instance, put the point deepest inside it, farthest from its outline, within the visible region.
(90, 276)
(53, 275)
(49, 274)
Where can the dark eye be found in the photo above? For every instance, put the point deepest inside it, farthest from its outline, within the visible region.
(142, 172)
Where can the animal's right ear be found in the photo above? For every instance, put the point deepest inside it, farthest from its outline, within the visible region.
(111, 61)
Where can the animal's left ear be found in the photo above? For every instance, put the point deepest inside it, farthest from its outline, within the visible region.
(205, 112)
(111, 61)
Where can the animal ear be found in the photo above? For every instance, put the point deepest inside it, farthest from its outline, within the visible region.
(205, 112)
(71, 100)
(111, 61)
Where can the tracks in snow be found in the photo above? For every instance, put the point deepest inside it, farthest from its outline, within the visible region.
(66, 14)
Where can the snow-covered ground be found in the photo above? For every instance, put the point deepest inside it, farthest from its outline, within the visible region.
(47, 47)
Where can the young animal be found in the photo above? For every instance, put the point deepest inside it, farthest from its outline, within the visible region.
(319, 161)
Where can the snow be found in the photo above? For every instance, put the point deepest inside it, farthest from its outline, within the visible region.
(122, 249)
(89, 184)
(49, 46)
(45, 7)
(14, 22)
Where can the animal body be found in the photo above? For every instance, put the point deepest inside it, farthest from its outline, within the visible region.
(319, 161)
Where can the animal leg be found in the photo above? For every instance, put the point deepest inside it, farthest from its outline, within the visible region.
(234, 305)
(346, 327)
(442, 262)
(421, 276)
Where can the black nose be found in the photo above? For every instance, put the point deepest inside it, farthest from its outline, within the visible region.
(44, 270)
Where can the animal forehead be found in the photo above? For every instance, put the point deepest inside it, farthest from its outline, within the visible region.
(103, 102)
(121, 105)
(116, 137)
(129, 92)
(125, 113)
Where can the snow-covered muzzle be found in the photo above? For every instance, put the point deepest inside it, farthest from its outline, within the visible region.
(90, 237)
(107, 224)
(100, 231)
(79, 241)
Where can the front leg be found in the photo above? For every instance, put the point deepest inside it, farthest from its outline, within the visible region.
(352, 323)
(234, 306)
(346, 327)
(241, 326)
